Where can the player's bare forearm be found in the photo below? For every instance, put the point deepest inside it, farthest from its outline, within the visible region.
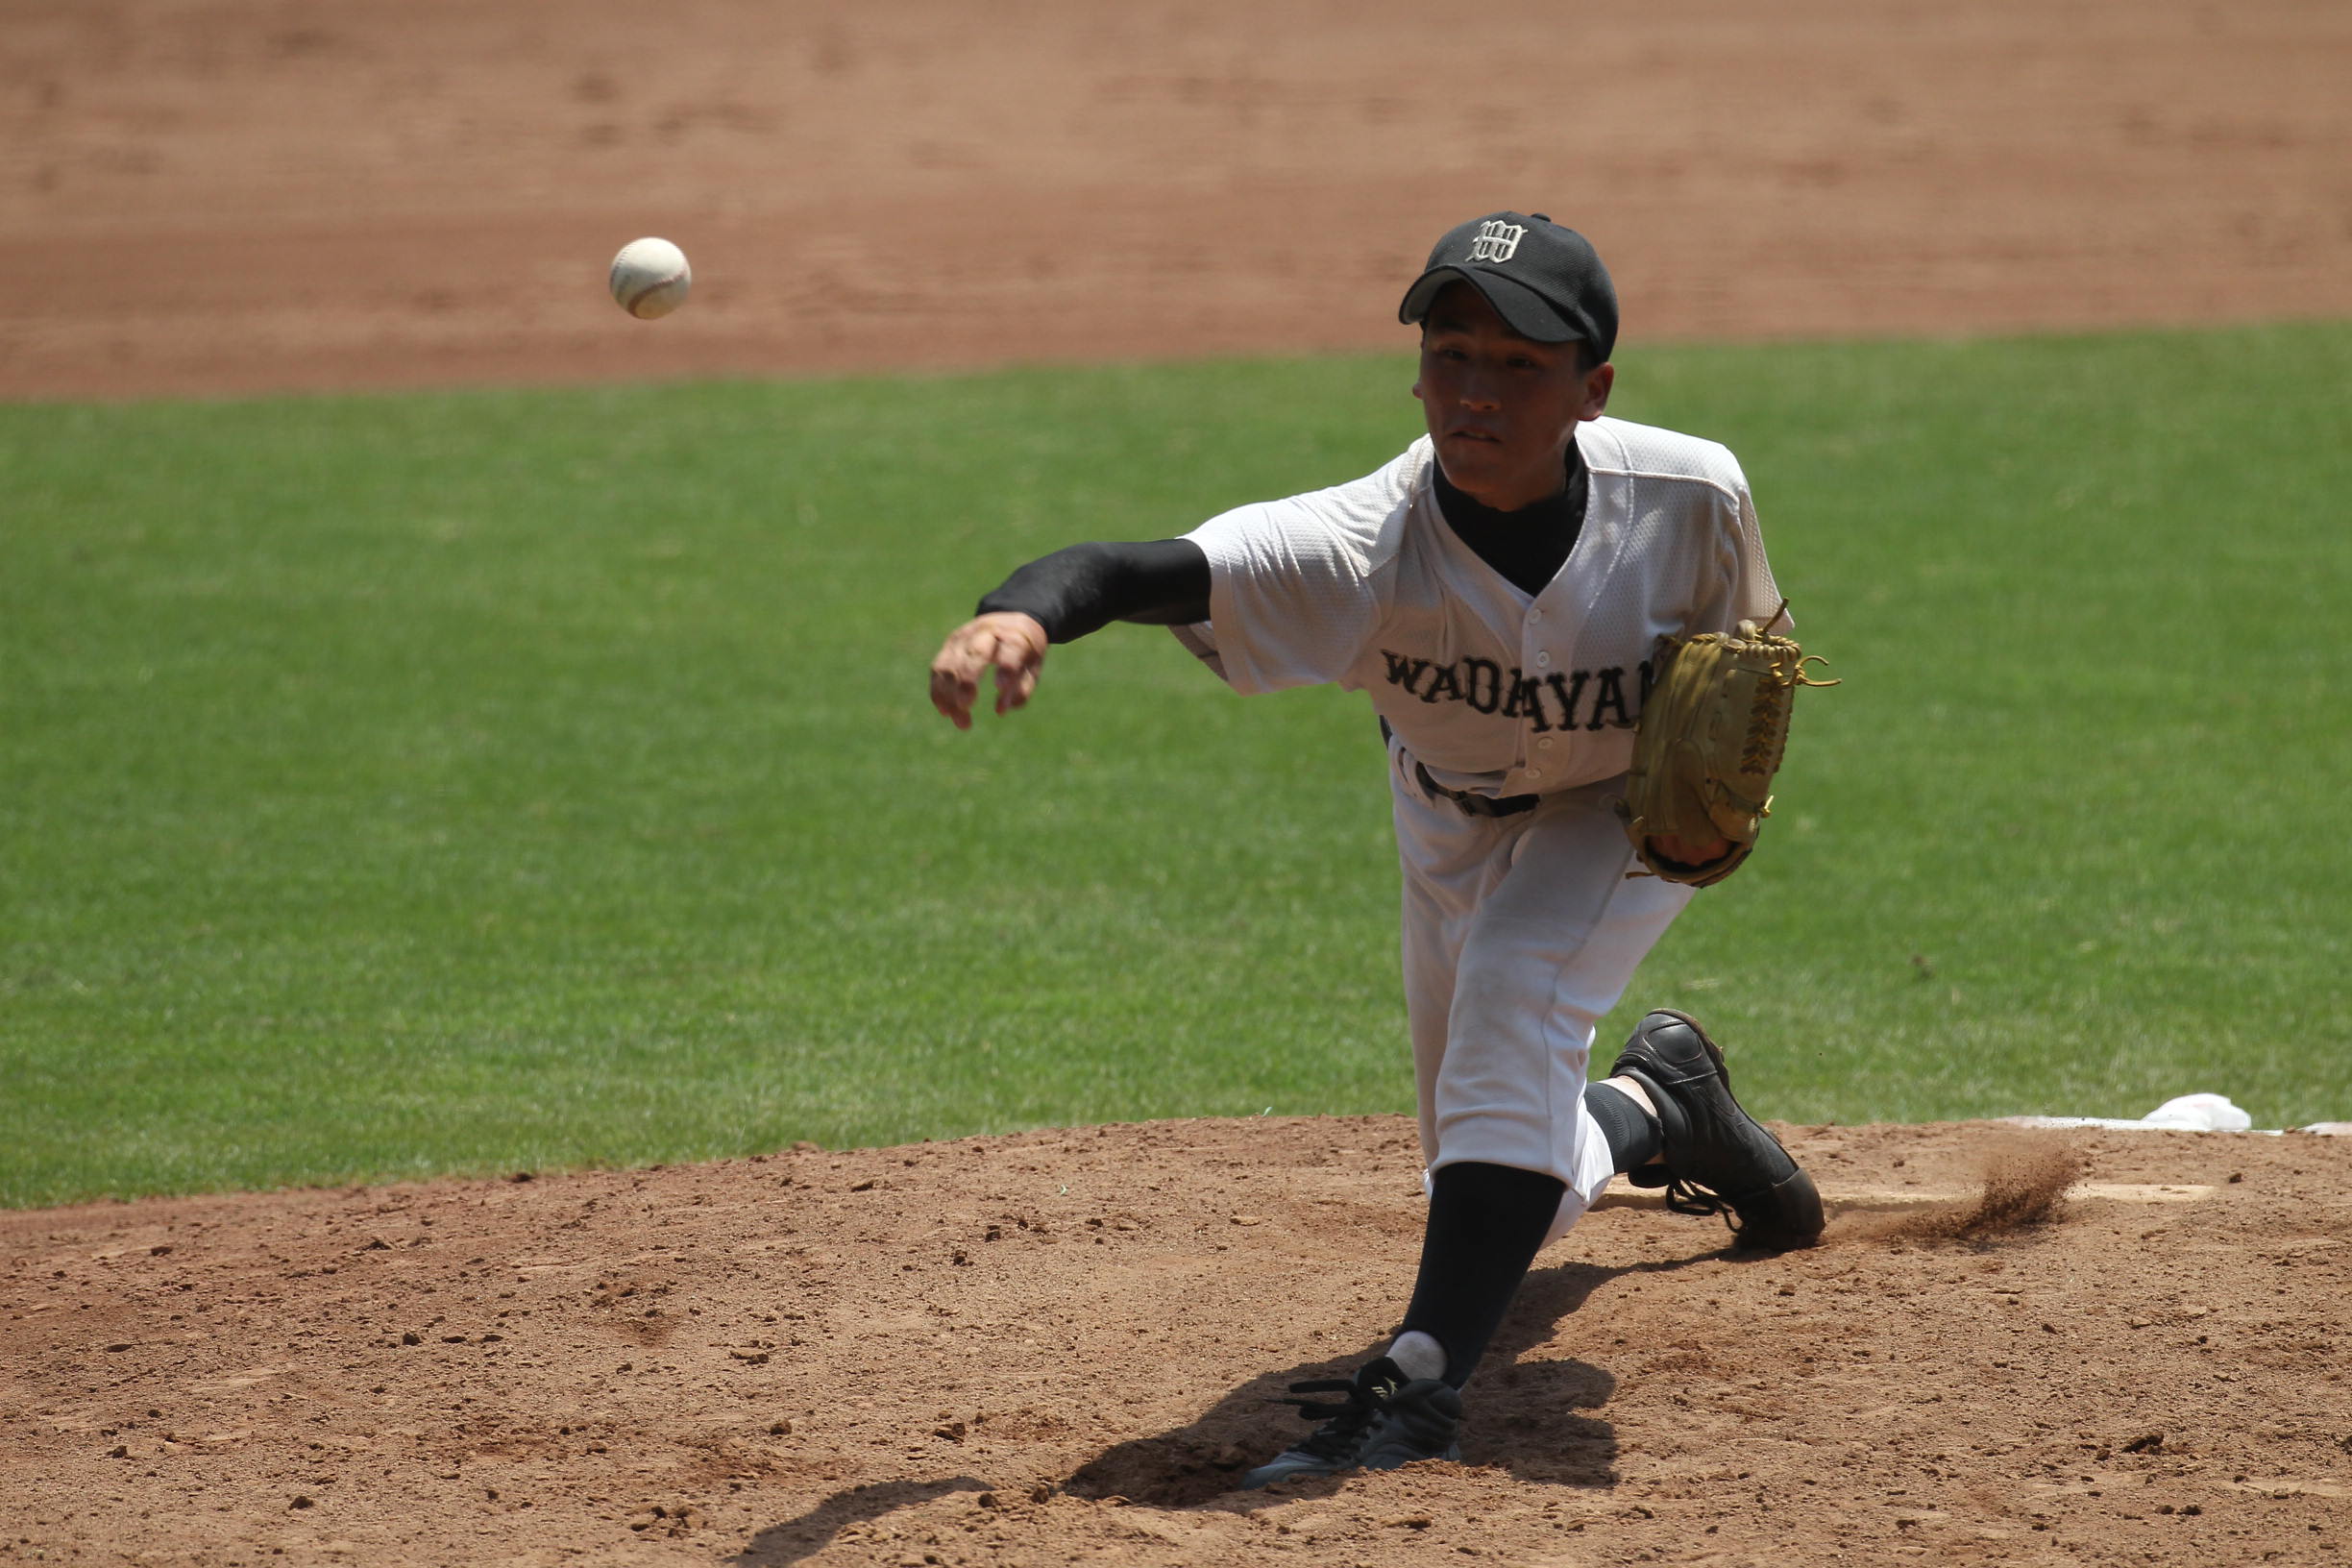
(1011, 643)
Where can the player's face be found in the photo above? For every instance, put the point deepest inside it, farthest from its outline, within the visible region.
(1501, 408)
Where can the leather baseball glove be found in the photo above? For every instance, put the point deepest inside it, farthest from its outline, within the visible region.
(1707, 745)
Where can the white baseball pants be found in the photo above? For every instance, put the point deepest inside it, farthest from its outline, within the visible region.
(1519, 934)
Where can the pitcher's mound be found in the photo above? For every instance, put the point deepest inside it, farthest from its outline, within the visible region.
(1062, 1346)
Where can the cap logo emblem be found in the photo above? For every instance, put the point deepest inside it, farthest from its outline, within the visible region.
(1497, 240)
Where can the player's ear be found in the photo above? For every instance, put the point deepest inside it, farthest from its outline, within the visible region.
(1597, 384)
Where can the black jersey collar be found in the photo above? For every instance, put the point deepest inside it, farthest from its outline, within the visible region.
(1528, 546)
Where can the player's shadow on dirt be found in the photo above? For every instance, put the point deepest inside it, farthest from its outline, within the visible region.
(1522, 1414)
(813, 1530)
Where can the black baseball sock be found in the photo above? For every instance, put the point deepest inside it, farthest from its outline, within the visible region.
(1485, 1223)
(1632, 1133)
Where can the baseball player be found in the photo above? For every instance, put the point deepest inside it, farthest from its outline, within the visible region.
(1499, 591)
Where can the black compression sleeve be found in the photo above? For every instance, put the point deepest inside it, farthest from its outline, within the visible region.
(1632, 1133)
(1486, 1224)
(1085, 588)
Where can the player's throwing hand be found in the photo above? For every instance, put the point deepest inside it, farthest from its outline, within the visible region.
(1012, 642)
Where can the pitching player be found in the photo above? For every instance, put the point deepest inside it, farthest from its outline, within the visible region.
(1499, 590)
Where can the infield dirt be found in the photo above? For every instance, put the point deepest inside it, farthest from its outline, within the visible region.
(209, 196)
(1060, 1347)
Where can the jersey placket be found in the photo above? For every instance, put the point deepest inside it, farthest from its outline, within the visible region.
(1550, 632)
(1546, 749)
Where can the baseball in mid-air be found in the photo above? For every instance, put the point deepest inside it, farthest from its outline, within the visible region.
(649, 278)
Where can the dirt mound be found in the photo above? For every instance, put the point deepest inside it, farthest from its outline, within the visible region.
(1063, 1346)
(202, 196)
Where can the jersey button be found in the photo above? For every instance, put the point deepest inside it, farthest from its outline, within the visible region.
(1542, 659)
(1534, 615)
(1544, 745)
(1534, 773)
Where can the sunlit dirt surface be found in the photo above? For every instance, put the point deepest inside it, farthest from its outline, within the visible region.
(225, 196)
(1060, 1347)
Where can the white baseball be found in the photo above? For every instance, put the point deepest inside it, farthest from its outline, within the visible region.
(649, 278)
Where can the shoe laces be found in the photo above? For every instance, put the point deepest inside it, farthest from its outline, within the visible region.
(1344, 1423)
(1683, 1198)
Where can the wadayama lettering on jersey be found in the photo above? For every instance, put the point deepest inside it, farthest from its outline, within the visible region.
(1573, 699)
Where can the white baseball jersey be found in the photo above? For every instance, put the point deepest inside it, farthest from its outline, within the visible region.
(1491, 689)
(1520, 932)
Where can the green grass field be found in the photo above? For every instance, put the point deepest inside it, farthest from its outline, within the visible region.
(392, 786)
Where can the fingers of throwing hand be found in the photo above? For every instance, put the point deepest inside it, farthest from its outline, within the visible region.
(1013, 644)
(1016, 671)
(955, 675)
(953, 696)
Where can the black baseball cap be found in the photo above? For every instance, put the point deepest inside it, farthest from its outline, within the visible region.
(1546, 282)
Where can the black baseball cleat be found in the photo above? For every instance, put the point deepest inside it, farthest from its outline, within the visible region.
(1717, 1158)
(1420, 1421)
(1384, 1422)
(1340, 1442)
